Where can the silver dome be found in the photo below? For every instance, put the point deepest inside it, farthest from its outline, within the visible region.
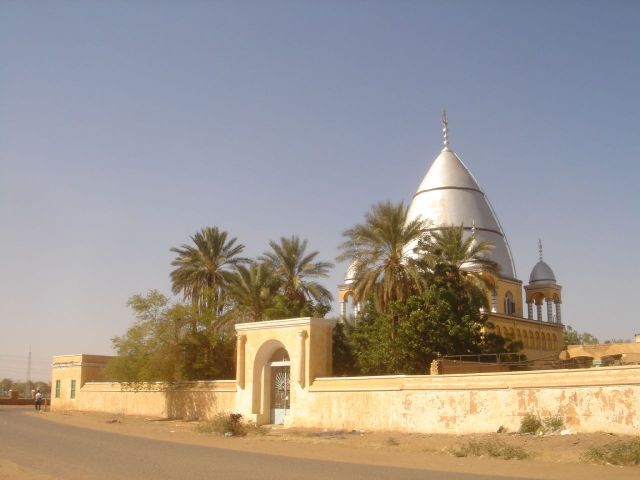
(449, 195)
(542, 273)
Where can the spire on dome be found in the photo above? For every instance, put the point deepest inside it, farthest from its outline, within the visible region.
(445, 130)
(540, 248)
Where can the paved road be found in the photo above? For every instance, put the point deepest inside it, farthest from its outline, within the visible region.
(75, 453)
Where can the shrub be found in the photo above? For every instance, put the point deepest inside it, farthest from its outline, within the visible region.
(229, 424)
(392, 441)
(553, 424)
(530, 423)
(489, 448)
(618, 453)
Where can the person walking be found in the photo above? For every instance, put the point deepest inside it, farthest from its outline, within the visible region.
(38, 400)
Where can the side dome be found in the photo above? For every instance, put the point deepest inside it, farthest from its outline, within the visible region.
(542, 273)
(350, 276)
(449, 195)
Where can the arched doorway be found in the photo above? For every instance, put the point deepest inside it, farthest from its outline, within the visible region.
(280, 386)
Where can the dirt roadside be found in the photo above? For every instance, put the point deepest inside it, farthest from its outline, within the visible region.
(550, 457)
(13, 471)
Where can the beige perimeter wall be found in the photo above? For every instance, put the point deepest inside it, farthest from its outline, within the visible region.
(193, 400)
(589, 400)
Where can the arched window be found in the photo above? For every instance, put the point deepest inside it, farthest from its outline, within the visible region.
(509, 304)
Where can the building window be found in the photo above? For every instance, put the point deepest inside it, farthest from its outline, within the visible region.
(73, 389)
(509, 304)
(57, 388)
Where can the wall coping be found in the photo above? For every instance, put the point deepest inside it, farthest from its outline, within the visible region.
(77, 364)
(199, 385)
(289, 322)
(82, 355)
(604, 376)
(181, 383)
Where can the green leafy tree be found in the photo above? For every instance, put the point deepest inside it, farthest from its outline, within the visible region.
(343, 361)
(444, 319)
(163, 345)
(380, 251)
(44, 387)
(573, 337)
(298, 272)
(493, 343)
(204, 269)
(6, 384)
(151, 349)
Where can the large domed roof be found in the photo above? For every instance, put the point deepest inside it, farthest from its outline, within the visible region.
(542, 273)
(449, 195)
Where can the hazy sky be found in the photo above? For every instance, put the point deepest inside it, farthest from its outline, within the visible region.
(125, 127)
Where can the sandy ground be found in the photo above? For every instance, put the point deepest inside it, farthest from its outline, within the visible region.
(12, 471)
(551, 457)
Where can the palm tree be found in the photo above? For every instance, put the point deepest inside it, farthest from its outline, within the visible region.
(381, 254)
(446, 252)
(253, 291)
(204, 268)
(297, 270)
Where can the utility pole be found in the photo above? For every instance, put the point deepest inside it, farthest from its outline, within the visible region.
(27, 386)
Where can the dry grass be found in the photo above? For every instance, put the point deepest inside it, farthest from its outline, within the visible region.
(230, 424)
(553, 424)
(392, 442)
(489, 448)
(625, 453)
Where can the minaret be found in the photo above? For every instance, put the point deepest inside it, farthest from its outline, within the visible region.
(542, 288)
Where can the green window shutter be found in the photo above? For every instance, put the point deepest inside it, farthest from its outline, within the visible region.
(73, 389)
(57, 388)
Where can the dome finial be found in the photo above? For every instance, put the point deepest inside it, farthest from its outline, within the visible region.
(445, 130)
(540, 248)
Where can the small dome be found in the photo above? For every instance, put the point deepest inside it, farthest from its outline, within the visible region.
(542, 273)
(349, 277)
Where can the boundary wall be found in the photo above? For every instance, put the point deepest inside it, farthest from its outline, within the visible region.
(78, 384)
(189, 400)
(588, 400)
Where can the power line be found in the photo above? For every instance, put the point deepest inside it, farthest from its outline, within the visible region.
(28, 384)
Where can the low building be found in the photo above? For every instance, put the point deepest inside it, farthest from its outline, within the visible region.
(604, 354)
